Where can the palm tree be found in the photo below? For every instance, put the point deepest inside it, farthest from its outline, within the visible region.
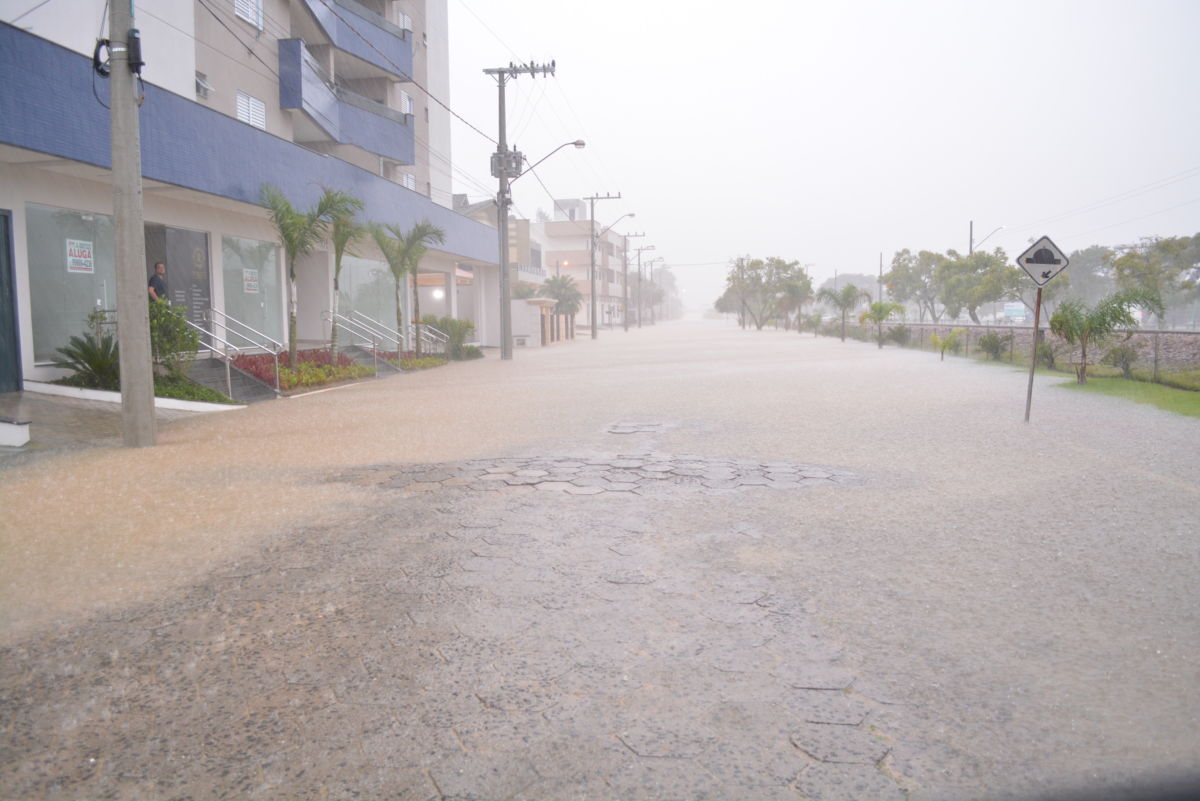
(1080, 325)
(413, 247)
(844, 300)
(300, 232)
(403, 252)
(569, 299)
(389, 246)
(344, 232)
(878, 313)
(795, 295)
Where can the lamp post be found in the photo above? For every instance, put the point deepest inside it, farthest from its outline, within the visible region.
(595, 237)
(625, 281)
(972, 243)
(507, 166)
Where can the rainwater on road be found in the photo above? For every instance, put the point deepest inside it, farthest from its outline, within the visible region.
(683, 562)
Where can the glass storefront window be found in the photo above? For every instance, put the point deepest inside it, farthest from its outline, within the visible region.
(252, 284)
(71, 273)
(367, 287)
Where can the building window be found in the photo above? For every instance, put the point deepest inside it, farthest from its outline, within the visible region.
(406, 102)
(250, 10)
(409, 181)
(251, 110)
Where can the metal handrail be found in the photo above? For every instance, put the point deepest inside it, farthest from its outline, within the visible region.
(276, 348)
(380, 328)
(224, 355)
(355, 329)
(373, 333)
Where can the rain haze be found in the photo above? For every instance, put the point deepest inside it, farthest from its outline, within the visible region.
(829, 133)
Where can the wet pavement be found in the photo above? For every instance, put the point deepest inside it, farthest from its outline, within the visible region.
(808, 571)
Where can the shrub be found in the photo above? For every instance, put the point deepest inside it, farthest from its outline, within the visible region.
(310, 374)
(180, 388)
(94, 360)
(172, 340)
(900, 334)
(950, 342)
(423, 363)
(262, 365)
(457, 331)
(471, 352)
(1122, 357)
(1048, 353)
(994, 344)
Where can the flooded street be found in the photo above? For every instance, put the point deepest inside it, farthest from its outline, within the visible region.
(686, 561)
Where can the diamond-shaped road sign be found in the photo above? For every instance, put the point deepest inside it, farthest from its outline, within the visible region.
(1043, 261)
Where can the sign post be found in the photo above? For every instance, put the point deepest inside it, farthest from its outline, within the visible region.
(1041, 262)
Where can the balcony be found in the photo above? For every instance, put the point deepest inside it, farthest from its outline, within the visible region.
(335, 115)
(355, 29)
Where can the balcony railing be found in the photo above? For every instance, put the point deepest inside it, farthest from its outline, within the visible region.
(357, 30)
(339, 115)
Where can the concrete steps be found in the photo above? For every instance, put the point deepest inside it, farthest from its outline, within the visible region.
(246, 388)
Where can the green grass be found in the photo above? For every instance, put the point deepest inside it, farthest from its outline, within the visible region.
(182, 389)
(1179, 401)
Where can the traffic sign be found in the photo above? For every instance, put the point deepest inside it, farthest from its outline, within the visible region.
(1042, 261)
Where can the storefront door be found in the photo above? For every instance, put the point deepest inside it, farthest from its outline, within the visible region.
(186, 255)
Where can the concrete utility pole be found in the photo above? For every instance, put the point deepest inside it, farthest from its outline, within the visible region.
(625, 288)
(133, 317)
(591, 199)
(639, 295)
(506, 165)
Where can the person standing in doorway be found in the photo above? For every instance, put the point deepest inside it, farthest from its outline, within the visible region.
(157, 288)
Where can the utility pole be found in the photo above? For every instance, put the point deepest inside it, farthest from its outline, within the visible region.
(881, 276)
(591, 199)
(133, 316)
(639, 288)
(625, 288)
(506, 165)
(971, 239)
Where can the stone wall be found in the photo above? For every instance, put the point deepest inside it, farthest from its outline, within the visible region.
(1176, 349)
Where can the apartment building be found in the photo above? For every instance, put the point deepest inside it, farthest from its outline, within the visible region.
(566, 250)
(300, 94)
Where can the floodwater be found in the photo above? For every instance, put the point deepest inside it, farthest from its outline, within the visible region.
(1017, 601)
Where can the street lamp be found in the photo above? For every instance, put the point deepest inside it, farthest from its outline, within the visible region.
(507, 166)
(595, 237)
(971, 245)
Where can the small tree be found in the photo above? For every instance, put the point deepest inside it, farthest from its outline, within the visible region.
(172, 340)
(1122, 357)
(1083, 326)
(950, 342)
(567, 296)
(844, 300)
(878, 313)
(413, 247)
(993, 344)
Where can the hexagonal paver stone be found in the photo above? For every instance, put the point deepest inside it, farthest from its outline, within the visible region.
(554, 486)
(573, 490)
(534, 473)
(841, 744)
(682, 741)
(848, 783)
(827, 706)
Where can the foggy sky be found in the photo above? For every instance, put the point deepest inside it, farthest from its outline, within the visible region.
(829, 132)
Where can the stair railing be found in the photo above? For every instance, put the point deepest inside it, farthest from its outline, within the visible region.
(356, 329)
(432, 336)
(234, 327)
(384, 331)
(222, 353)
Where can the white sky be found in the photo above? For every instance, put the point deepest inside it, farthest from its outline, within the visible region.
(828, 132)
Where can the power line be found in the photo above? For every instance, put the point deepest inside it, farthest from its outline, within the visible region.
(1161, 183)
(15, 19)
(1135, 219)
